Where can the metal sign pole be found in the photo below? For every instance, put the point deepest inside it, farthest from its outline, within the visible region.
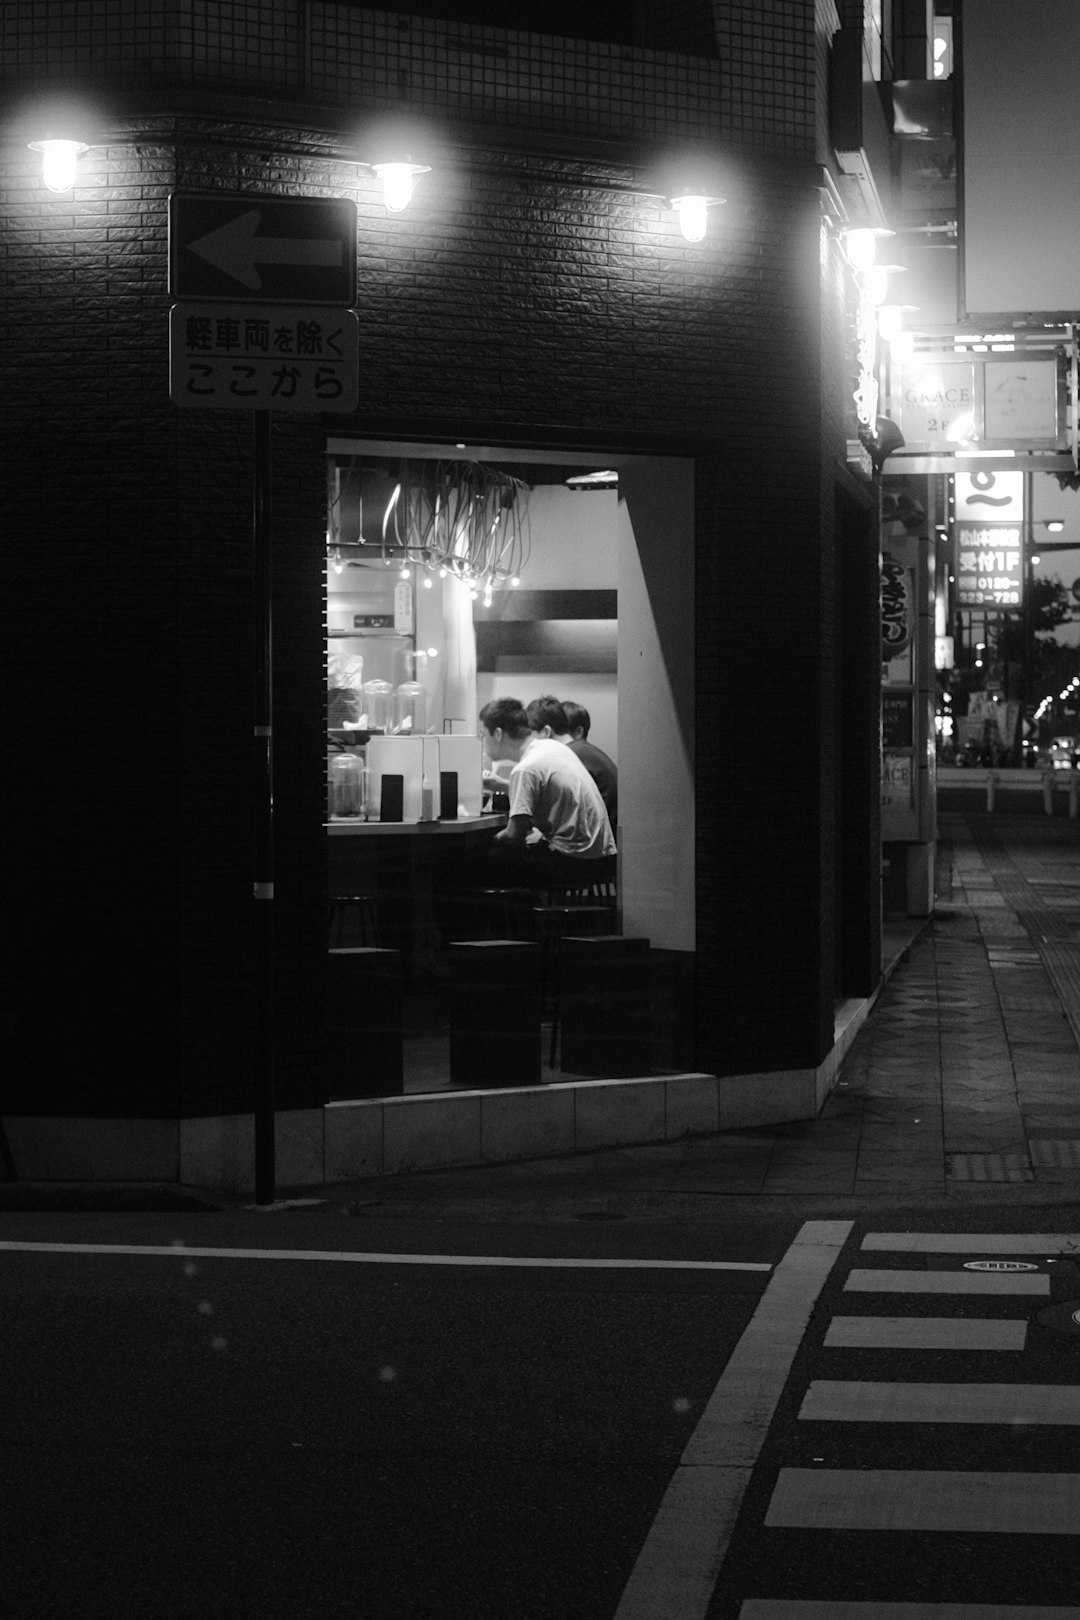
(263, 783)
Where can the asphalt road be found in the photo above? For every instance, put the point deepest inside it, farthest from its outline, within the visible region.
(283, 1434)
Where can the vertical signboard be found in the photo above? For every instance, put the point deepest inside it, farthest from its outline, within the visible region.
(989, 540)
(899, 621)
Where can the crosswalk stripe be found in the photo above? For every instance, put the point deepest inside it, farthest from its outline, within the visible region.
(675, 1572)
(1045, 1243)
(925, 1499)
(813, 1609)
(836, 1401)
(925, 1333)
(947, 1282)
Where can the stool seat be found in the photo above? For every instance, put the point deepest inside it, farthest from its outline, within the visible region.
(352, 918)
(495, 912)
(552, 924)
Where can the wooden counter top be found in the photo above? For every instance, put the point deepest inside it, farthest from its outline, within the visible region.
(351, 827)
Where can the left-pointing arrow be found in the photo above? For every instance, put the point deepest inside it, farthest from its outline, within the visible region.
(235, 249)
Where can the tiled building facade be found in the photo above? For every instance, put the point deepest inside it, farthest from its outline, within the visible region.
(536, 294)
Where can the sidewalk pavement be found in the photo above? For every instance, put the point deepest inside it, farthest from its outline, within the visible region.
(964, 1083)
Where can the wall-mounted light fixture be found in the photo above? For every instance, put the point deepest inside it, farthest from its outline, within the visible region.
(59, 160)
(692, 209)
(890, 319)
(876, 280)
(860, 244)
(397, 180)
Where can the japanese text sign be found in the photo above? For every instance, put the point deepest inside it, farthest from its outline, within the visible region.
(989, 565)
(232, 357)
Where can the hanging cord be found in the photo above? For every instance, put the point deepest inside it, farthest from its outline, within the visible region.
(464, 517)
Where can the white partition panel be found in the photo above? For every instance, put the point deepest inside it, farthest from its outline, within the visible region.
(656, 700)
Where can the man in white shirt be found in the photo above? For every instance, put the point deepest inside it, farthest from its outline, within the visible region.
(551, 793)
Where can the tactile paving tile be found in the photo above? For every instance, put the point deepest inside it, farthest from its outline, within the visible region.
(988, 1167)
(1050, 1153)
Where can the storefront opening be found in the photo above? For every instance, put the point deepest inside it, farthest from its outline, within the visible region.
(588, 596)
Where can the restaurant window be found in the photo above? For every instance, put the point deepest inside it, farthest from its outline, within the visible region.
(452, 583)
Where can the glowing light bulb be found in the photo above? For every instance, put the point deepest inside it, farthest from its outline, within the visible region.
(861, 248)
(59, 162)
(693, 215)
(876, 282)
(433, 652)
(397, 182)
(427, 582)
(515, 582)
(890, 320)
(405, 571)
(337, 560)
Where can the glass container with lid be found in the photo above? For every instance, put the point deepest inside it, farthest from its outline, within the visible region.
(346, 791)
(410, 705)
(379, 705)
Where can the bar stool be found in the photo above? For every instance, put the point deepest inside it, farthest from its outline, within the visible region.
(496, 912)
(352, 919)
(585, 911)
(606, 1028)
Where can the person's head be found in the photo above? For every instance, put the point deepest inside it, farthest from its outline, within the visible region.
(577, 720)
(547, 717)
(506, 728)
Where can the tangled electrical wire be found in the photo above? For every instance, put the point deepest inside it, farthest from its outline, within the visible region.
(460, 518)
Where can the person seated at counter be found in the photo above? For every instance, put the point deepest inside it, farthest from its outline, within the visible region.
(569, 723)
(551, 794)
(600, 766)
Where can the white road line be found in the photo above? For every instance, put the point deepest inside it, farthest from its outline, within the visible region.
(946, 1282)
(187, 1251)
(923, 1499)
(834, 1401)
(1045, 1243)
(677, 1568)
(925, 1333)
(812, 1609)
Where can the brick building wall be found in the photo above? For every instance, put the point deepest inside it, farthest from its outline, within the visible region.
(540, 294)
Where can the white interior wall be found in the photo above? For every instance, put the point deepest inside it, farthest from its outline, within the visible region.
(574, 547)
(656, 701)
(573, 539)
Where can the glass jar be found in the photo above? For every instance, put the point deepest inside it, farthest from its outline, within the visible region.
(379, 706)
(346, 775)
(410, 709)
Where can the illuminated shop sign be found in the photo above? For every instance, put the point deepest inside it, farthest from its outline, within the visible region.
(996, 497)
(989, 565)
(937, 408)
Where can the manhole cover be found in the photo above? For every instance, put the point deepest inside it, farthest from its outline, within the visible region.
(999, 1265)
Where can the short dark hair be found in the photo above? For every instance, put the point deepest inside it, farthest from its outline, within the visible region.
(547, 711)
(577, 718)
(505, 714)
